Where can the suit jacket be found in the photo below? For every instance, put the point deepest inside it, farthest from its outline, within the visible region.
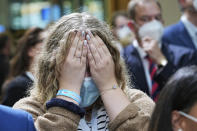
(15, 120)
(16, 89)
(177, 57)
(177, 34)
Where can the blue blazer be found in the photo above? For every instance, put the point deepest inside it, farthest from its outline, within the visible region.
(177, 57)
(15, 120)
(177, 34)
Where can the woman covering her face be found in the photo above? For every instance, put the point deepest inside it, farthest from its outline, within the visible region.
(81, 82)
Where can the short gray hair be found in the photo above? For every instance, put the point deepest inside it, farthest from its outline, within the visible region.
(132, 6)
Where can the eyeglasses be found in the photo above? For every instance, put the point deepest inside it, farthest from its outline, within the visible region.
(188, 116)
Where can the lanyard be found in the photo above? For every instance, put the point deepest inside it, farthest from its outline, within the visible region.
(84, 125)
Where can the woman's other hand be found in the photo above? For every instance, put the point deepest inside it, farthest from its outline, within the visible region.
(102, 69)
(100, 62)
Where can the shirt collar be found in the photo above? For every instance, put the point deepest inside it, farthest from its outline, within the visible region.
(191, 28)
(30, 75)
(141, 52)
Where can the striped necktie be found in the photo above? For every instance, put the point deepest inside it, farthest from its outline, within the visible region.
(155, 87)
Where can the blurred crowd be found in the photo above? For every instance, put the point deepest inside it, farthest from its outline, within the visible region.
(82, 74)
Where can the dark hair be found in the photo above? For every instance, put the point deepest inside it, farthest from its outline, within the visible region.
(21, 61)
(132, 7)
(116, 15)
(180, 93)
(3, 40)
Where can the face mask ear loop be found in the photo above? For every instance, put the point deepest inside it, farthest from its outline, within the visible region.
(188, 116)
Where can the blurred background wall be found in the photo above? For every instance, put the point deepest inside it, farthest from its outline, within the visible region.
(21, 14)
(171, 11)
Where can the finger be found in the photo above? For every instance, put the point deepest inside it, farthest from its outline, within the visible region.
(102, 47)
(78, 52)
(84, 53)
(74, 44)
(91, 60)
(92, 48)
(94, 41)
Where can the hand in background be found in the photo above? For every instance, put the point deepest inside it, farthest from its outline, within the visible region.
(151, 47)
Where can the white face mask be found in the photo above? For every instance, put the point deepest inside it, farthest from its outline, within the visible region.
(195, 4)
(153, 29)
(125, 35)
(123, 32)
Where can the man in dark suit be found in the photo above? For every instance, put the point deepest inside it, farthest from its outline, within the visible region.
(183, 33)
(15, 120)
(150, 62)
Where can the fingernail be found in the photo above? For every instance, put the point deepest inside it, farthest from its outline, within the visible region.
(85, 42)
(88, 37)
(83, 33)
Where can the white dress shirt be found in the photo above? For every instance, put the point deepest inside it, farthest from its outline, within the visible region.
(191, 28)
(30, 75)
(145, 63)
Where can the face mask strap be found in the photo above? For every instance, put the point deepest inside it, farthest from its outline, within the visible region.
(188, 116)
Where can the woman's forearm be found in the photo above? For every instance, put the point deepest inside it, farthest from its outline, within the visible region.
(114, 101)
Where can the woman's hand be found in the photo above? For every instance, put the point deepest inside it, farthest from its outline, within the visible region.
(73, 70)
(100, 62)
(103, 72)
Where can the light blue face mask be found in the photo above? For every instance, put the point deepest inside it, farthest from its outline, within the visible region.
(89, 92)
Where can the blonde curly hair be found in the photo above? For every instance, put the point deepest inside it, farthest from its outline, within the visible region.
(53, 54)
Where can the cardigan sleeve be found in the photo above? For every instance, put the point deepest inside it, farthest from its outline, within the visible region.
(55, 118)
(136, 116)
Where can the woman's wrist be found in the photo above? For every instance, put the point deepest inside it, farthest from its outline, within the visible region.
(67, 99)
(109, 89)
(71, 87)
(110, 86)
(69, 95)
(58, 102)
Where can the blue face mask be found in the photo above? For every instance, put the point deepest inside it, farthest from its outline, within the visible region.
(89, 92)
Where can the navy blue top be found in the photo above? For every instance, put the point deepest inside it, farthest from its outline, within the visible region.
(15, 120)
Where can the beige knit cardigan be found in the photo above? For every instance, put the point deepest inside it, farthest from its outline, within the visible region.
(135, 117)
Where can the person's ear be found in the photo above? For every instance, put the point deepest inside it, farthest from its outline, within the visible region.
(177, 121)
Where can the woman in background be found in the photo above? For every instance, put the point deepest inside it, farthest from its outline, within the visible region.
(176, 108)
(20, 77)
